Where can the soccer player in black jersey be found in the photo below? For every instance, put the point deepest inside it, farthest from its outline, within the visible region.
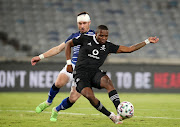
(93, 52)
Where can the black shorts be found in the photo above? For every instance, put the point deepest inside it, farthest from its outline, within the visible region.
(88, 78)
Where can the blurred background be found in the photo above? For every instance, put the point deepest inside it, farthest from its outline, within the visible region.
(31, 27)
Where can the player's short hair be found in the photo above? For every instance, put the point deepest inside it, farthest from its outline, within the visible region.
(101, 27)
(82, 13)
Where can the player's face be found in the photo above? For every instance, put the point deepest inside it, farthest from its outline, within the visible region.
(102, 36)
(83, 26)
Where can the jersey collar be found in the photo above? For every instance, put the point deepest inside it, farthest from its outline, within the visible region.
(94, 38)
(90, 31)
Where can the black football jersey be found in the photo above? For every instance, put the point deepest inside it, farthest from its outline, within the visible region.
(92, 54)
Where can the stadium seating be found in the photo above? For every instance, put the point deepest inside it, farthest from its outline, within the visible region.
(42, 24)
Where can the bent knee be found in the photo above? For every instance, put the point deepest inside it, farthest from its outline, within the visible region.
(106, 83)
(74, 96)
(61, 80)
(89, 97)
(60, 83)
(105, 80)
(73, 99)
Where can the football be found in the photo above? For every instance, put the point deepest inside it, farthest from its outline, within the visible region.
(125, 109)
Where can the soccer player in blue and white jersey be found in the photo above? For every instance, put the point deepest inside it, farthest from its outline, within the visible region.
(83, 23)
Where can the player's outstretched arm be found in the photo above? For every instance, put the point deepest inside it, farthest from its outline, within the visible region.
(53, 51)
(68, 46)
(125, 49)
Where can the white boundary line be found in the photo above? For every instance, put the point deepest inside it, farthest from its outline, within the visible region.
(68, 113)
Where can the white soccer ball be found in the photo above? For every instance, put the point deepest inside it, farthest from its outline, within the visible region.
(125, 109)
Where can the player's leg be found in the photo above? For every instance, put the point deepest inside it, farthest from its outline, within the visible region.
(74, 95)
(69, 101)
(89, 94)
(61, 80)
(101, 80)
(66, 103)
(113, 95)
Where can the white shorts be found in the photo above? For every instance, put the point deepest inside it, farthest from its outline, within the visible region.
(70, 75)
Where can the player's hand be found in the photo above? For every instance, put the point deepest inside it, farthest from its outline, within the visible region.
(153, 39)
(34, 60)
(69, 68)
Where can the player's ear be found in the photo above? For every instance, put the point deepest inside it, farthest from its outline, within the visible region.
(90, 22)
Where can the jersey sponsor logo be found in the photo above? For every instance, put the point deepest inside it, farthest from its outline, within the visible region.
(94, 54)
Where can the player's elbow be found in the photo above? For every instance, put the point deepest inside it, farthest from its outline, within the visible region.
(125, 49)
(131, 51)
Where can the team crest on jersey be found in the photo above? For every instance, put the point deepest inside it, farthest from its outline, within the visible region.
(103, 48)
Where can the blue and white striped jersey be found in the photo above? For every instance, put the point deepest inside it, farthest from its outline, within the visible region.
(76, 48)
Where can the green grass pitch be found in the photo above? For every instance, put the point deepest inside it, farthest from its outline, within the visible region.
(151, 110)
